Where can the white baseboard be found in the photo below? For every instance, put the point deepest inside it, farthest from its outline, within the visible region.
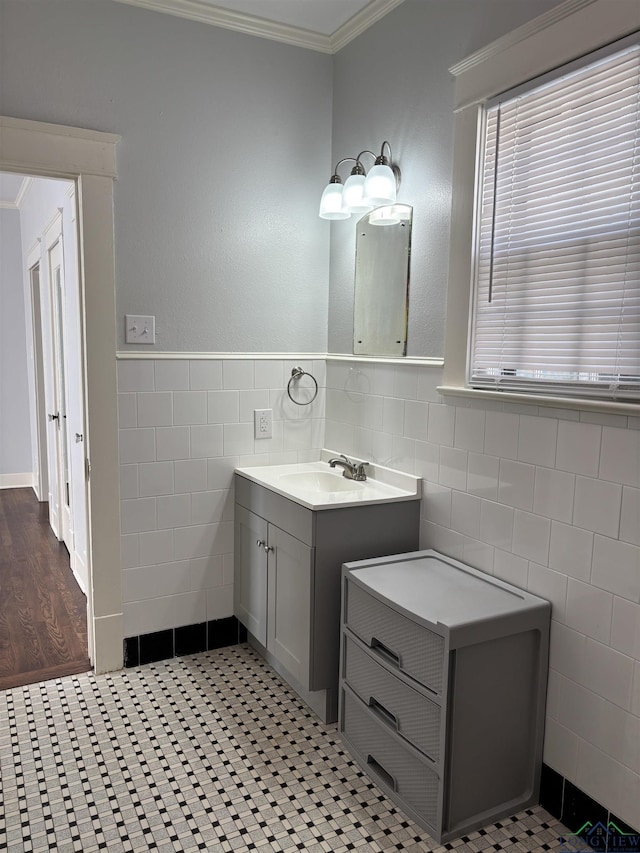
(16, 481)
(79, 570)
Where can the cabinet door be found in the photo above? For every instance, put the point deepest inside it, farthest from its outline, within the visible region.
(289, 596)
(250, 581)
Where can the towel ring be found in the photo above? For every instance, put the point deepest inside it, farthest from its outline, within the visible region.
(298, 373)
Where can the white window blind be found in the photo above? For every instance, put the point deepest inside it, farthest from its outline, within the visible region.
(557, 290)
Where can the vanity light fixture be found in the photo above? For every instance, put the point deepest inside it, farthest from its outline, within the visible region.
(361, 192)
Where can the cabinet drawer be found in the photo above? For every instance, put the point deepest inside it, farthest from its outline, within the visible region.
(396, 704)
(392, 765)
(407, 645)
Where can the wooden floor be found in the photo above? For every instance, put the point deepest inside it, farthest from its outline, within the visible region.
(43, 612)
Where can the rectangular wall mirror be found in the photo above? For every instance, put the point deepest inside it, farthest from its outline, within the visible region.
(381, 301)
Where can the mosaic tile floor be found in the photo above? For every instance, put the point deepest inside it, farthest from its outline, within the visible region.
(209, 752)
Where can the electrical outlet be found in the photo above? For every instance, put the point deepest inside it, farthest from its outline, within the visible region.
(263, 423)
(140, 329)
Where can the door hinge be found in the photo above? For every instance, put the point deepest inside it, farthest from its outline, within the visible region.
(87, 468)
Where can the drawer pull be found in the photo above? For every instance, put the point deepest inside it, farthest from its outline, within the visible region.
(383, 712)
(385, 651)
(385, 776)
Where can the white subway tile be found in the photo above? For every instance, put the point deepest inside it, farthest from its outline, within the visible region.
(441, 424)
(207, 507)
(616, 567)
(219, 602)
(554, 685)
(428, 381)
(269, 374)
(578, 449)
(567, 650)
(220, 472)
(156, 478)
(206, 441)
(189, 407)
(134, 375)
(147, 582)
(156, 546)
(635, 696)
(415, 419)
(172, 374)
(159, 614)
(404, 454)
(362, 443)
(479, 555)
(237, 375)
(427, 461)
(537, 439)
(436, 504)
(560, 749)
(129, 482)
(465, 514)
(174, 511)
(380, 380)
(625, 628)
(630, 516)
(531, 535)
(190, 475)
(155, 409)
(207, 571)
(238, 439)
(127, 411)
(228, 569)
(515, 484)
(589, 610)
(482, 475)
(137, 445)
(570, 550)
(130, 550)
(250, 400)
(469, 429)
(205, 374)
(496, 524)
(501, 435)
(172, 443)
(203, 540)
(339, 436)
(405, 381)
(553, 494)
(453, 468)
(223, 407)
(511, 568)
(393, 416)
(597, 506)
(551, 586)
(608, 673)
(608, 782)
(620, 460)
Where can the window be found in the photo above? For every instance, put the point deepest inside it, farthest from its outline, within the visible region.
(556, 303)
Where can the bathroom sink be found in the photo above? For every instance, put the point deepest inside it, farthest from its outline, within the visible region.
(320, 481)
(317, 486)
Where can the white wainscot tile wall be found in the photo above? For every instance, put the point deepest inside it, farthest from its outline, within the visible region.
(184, 426)
(546, 499)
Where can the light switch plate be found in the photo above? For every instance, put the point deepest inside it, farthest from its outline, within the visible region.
(140, 329)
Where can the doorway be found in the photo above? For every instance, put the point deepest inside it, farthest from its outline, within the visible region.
(88, 158)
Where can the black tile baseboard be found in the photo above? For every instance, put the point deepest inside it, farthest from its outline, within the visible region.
(186, 640)
(566, 802)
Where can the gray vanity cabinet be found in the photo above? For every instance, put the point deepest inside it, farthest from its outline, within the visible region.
(288, 560)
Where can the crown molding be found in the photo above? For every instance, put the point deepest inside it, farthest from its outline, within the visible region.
(204, 13)
(24, 189)
(537, 25)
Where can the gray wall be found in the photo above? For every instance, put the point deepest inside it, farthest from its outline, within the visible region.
(226, 146)
(15, 443)
(393, 83)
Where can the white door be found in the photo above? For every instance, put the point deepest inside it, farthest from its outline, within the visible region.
(58, 418)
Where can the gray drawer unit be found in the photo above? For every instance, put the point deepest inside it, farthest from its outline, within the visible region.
(444, 667)
(404, 709)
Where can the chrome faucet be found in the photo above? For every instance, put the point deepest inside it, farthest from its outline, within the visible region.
(351, 470)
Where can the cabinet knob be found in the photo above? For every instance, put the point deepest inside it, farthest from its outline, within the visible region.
(262, 544)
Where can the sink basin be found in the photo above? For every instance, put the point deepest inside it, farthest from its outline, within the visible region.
(319, 481)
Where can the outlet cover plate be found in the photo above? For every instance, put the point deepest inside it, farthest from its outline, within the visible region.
(263, 423)
(140, 329)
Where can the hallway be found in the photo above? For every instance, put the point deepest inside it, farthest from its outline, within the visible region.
(43, 618)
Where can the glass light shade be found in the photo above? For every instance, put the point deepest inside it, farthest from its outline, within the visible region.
(387, 215)
(352, 200)
(331, 203)
(380, 186)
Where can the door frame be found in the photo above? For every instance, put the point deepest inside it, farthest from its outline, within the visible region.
(39, 452)
(88, 158)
